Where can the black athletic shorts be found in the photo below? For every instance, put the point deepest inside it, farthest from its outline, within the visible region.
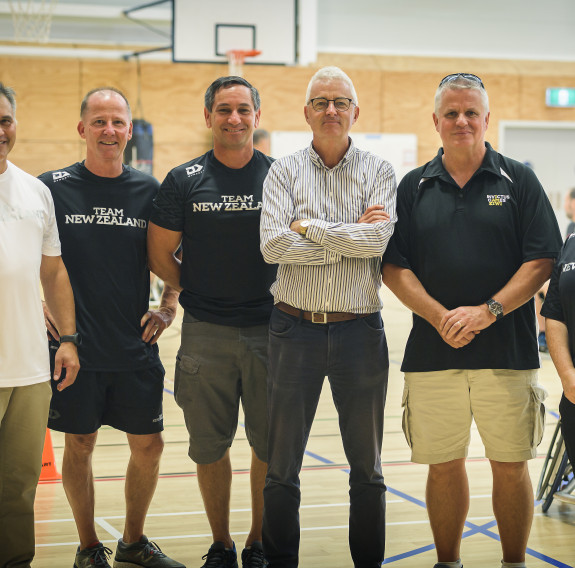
(130, 401)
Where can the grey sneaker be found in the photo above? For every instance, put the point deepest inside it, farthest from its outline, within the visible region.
(219, 556)
(93, 557)
(253, 557)
(144, 553)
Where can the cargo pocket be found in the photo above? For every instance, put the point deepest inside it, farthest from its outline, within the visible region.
(406, 418)
(186, 368)
(538, 396)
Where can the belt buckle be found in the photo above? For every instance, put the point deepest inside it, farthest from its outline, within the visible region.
(323, 315)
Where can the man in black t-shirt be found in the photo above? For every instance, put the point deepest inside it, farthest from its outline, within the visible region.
(475, 239)
(211, 205)
(102, 210)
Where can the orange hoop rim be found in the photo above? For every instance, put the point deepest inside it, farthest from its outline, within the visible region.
(243, 53)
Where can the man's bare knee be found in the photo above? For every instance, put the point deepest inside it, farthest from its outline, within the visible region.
(80, 445)
(146, 446)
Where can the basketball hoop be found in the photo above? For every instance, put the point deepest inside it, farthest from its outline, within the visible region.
(236, 59)
(32, 19)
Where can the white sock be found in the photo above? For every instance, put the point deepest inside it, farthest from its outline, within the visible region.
(513, 564)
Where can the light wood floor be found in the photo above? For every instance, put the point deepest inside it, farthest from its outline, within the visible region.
(177, 523)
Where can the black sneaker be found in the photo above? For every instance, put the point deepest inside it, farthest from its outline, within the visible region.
(93, 557)
(143, 553)
(253, 556)
(219, 556)
(442, 565)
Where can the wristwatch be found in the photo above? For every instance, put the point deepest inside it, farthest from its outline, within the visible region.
(495, 308)
(76, 339)
(303, 227)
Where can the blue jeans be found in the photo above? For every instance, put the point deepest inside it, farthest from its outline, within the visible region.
(353, 355)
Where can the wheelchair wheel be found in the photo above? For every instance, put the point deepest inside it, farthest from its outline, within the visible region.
(551, 463)
(561, 475)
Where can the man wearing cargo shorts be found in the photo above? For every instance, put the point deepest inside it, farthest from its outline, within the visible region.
(212, 206)
(475, 239)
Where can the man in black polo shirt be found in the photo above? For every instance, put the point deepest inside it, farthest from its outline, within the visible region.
(212, 205)
(475, 239)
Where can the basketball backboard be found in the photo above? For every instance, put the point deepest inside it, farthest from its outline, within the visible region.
(203, 32)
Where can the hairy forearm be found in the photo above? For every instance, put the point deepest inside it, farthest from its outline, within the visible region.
(524, 284)
(411, 293)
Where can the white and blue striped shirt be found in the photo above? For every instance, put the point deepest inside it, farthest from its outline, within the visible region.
(336, 267)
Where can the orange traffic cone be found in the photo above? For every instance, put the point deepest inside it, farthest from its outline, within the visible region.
(49, 471)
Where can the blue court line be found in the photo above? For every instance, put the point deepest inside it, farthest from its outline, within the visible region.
(473, 528)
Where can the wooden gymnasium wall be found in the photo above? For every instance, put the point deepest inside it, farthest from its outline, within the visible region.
(395, 95)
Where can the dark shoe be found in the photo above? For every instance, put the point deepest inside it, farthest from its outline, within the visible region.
(253, 557)
(542, 341)
(220, 557)
(143, 553)
(93, 557)
(442, 565)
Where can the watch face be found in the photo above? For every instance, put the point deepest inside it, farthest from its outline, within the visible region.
(495, 308)
(304, 223)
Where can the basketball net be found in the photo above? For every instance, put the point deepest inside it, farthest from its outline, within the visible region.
(32, 19)
(236, 58)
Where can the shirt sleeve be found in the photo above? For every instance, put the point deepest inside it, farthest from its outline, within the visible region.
(51, 239)
(541, 237)
(552, 307)
(168, 208)
(279, 244)
(398, 249)
(361, 240)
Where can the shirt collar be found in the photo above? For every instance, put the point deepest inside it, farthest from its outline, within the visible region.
(490, 163)
(316, 159)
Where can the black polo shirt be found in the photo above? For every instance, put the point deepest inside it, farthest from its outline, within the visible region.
(560, 299)
(464, 245)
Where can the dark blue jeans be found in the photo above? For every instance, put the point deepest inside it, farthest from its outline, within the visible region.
(353, 355)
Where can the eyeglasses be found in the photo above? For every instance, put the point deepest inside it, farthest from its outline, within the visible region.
(321, 104)
(455, 76)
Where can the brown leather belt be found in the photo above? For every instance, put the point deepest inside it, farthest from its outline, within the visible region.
(318, 317)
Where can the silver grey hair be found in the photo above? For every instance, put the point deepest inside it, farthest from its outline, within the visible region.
(457, 84)
(331, 74)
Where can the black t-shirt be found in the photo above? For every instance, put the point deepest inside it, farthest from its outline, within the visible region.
(103, 225)
(560, 299)
(464, 245)
(225, 279)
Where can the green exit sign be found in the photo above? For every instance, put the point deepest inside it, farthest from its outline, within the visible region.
(562, 97)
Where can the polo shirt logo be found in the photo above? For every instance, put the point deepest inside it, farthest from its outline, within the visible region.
(59, 176)
(497, 200)
(194, 170)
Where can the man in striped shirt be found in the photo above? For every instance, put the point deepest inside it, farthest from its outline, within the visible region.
(328, 214)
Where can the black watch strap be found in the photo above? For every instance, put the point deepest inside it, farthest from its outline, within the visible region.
(75, 339)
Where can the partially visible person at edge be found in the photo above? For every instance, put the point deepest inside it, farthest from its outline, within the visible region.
(569, 207)
(102, 209)
(29, 253)
(476, 238)
(328, 213)
(212, 205)
(559, 313)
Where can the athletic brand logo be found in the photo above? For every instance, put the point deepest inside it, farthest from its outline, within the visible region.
(497, 199)
(158, 419)
(59, 176)
(568, 266)
(194, 170)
